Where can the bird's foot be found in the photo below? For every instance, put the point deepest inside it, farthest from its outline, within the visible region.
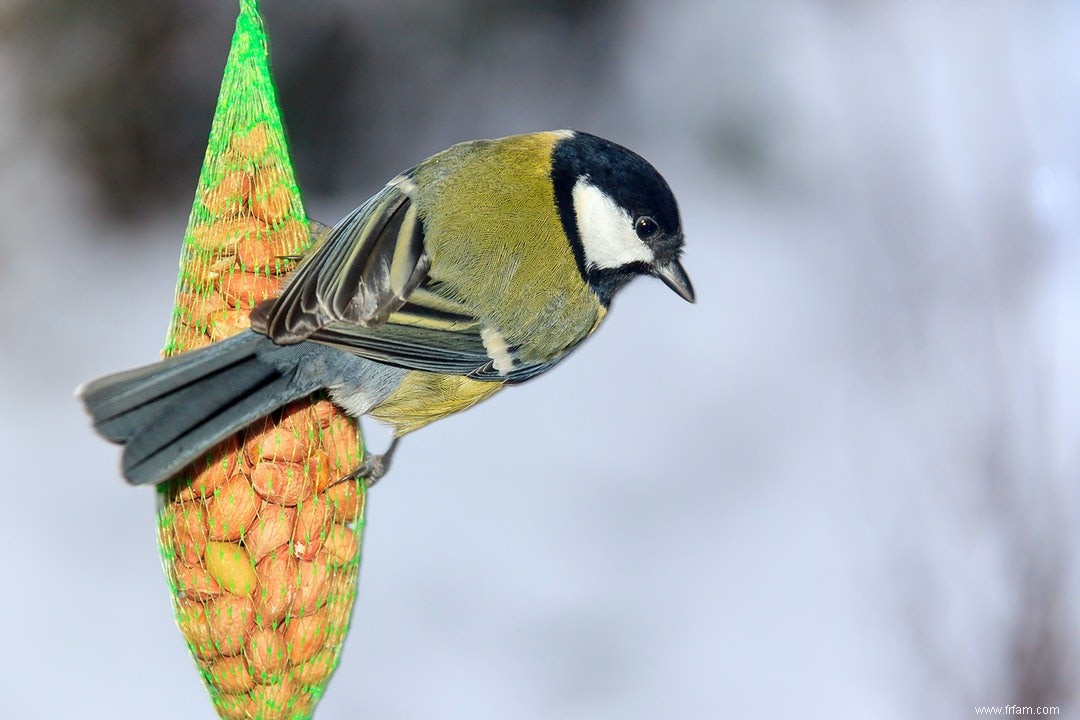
(373, 467)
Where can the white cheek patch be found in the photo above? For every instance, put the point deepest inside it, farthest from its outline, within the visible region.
(606, 230)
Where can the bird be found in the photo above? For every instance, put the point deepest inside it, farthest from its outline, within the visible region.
(483, 266)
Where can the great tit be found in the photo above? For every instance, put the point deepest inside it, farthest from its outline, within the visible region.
(485, 265)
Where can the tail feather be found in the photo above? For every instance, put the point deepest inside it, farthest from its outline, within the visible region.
(114, 397)
(170, 413)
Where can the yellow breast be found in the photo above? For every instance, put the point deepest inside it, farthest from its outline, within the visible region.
(424, 397)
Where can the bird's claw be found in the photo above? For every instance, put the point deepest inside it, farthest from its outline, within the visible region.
(373, 468)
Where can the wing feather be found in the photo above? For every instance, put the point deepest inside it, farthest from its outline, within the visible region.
(365, 289)
(364, 270)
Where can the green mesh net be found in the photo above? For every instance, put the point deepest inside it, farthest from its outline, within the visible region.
(260, 543)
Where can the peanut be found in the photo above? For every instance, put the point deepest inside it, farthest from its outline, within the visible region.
(312, 588)
(230, 617)
(190, 532)
(270, 197)
(273, 527)
(226, 323)
(195, 308)
(191, 619)
(313, 518)
(230, 566)
(245, 289)
(317, 468)
(209, 479)
(277, 574)
(305, 636)
(234, 707)
(323, 412)
(231, 675)
(233, 509)
(316, 670)
(270, 254)
(282, 483)
(286, 441)
(341, 545)
(253, 144)
(346, 500)
(230, 196)
(220, 238)
(267, 654)
(341, 445)
(195, 582)
(339, 607)
(275, 702)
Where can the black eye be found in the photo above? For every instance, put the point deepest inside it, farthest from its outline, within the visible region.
(646, 227)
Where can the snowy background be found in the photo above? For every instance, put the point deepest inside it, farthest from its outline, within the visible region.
(845, 484)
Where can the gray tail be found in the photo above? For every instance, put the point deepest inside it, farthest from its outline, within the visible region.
(168, 414)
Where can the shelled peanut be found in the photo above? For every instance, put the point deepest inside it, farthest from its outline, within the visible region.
(259, 539)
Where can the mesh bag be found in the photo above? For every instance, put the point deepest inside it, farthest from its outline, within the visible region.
(260, 544)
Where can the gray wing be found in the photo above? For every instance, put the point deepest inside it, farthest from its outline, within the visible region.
(442, 343)
(361, 272)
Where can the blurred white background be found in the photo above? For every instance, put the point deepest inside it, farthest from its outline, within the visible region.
(842, 485)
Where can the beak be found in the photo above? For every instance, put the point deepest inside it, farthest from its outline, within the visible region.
(674, 277)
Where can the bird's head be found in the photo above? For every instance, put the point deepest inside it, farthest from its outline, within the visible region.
(619, 214)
